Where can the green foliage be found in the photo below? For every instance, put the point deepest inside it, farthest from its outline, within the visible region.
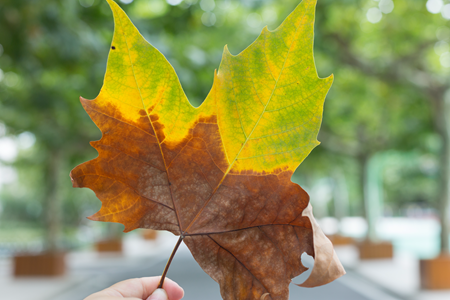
(385, 73)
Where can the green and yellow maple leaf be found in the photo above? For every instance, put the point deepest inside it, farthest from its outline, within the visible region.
(217, 175)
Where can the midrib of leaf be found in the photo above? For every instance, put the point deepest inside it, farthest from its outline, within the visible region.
(249, 136)
(148, 117)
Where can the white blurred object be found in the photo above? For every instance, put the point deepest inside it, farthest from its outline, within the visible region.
(390, 228)
(445, 60)
(329, 225)
(8, 175)
(8, 149)
(26, 140)
(86, 3)
(174, 2)
(254, 20)
(374, 15)
(354, 227)
(386, 6)
(207, 5)
(196, 55)
(434, 6)
(446, 12)
(269, 15)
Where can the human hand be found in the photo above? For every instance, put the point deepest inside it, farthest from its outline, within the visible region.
(140, 289)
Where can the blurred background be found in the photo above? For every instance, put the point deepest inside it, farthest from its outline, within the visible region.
(380, 177)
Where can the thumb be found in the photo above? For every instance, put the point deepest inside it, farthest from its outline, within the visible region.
(158, 294)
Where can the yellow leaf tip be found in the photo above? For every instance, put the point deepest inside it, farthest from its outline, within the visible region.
(331, 77)
(115, 8)
(226, 52)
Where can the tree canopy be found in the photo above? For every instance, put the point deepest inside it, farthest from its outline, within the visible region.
(390, 60)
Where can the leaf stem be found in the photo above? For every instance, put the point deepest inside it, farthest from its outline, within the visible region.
(163, 276)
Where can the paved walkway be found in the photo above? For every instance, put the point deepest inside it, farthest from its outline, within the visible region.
(398, 276)
(89, 272)
(199, 286)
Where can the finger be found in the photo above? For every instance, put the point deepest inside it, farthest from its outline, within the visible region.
(150, 284)
(110, 298)
(158, 294)
(103, 296)
(173, 290)
(132, 288)
(138, 288)
(142, 288)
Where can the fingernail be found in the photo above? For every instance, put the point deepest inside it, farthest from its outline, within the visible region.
(158, 294)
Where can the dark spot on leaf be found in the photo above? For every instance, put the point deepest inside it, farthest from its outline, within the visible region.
(113, 47)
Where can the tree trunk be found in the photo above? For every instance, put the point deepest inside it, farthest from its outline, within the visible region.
(52, 205)
(441, 115)
(370, 182)
(445, 182)
(363, 160)
(340, 195)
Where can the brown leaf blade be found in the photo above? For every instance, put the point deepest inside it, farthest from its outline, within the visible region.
(218, 175)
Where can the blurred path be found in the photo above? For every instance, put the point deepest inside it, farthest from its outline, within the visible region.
(89, 272)
(199, 286)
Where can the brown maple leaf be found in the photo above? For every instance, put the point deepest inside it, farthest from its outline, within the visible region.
(218, 175)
